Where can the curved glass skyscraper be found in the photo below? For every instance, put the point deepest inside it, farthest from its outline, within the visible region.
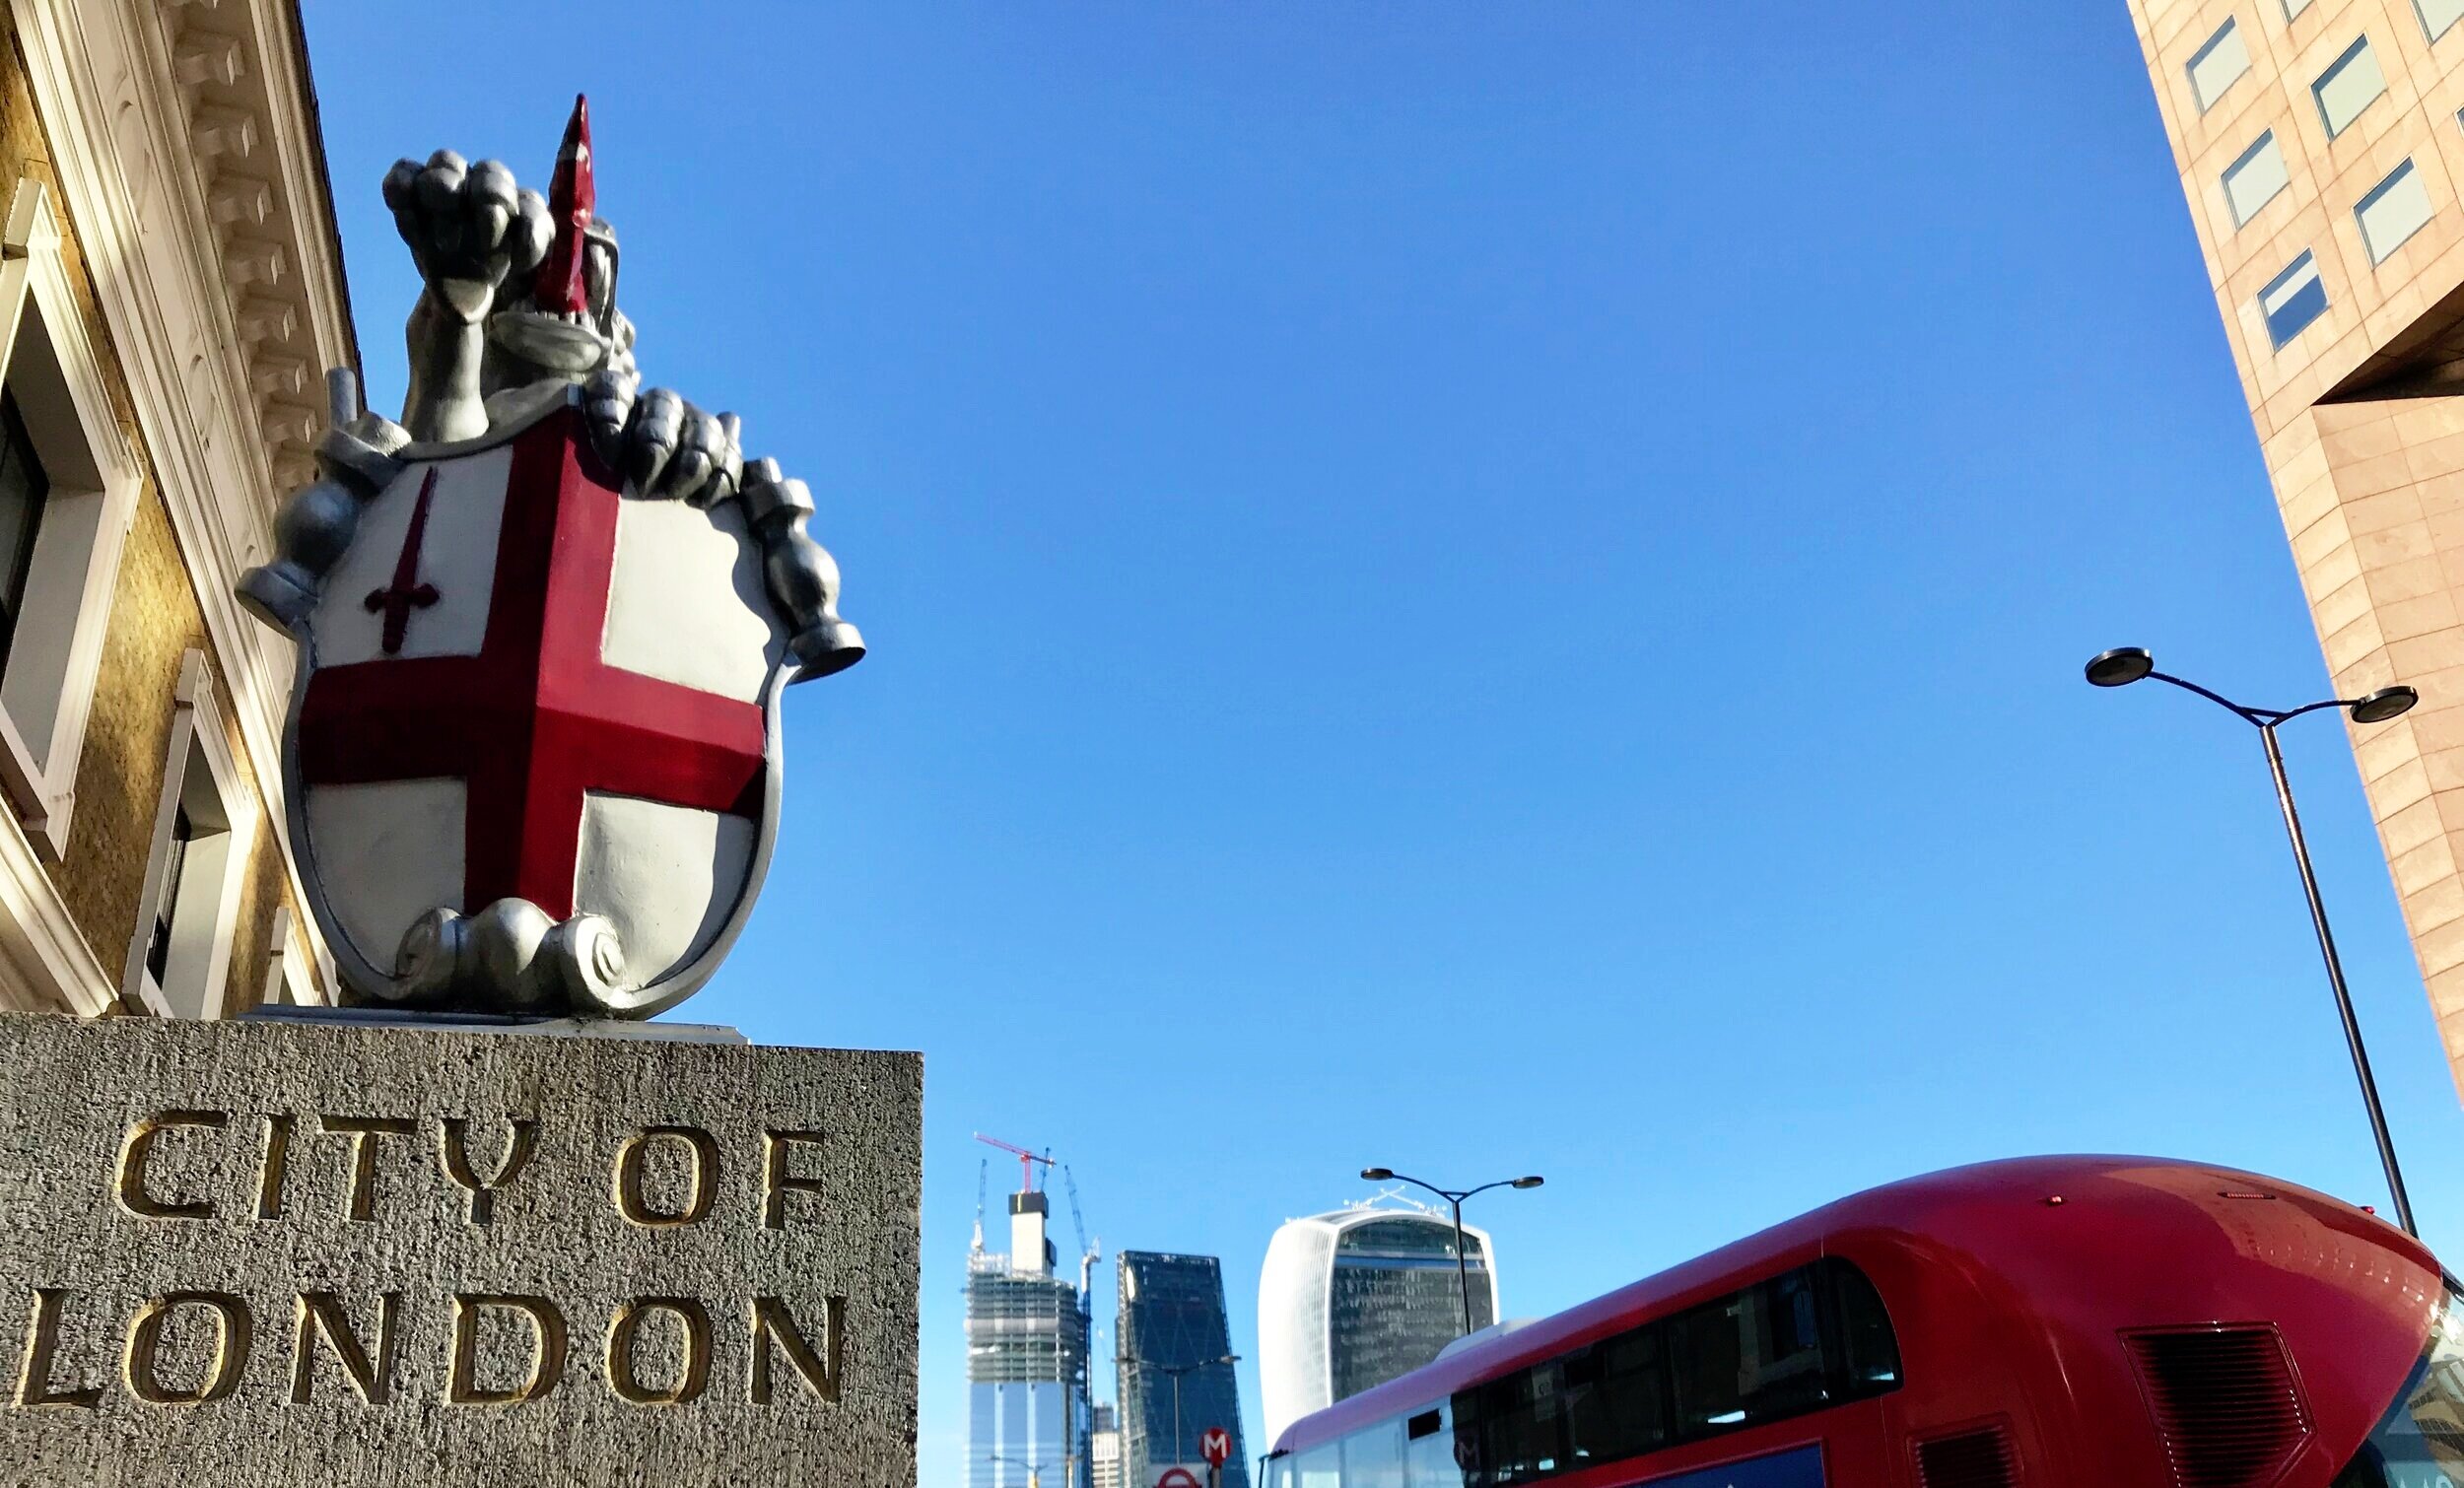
(1355, 1297)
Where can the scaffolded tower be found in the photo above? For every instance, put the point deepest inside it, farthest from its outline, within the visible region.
(1027, 1411)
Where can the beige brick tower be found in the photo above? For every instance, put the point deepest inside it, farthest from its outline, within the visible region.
(2321, 144)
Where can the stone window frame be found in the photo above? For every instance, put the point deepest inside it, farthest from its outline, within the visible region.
(206, 917)
(62, 391)
(293, 972)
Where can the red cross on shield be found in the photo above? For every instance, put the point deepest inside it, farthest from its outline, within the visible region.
(523, 683)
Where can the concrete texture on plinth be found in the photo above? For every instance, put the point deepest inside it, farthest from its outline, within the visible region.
(265, 1252)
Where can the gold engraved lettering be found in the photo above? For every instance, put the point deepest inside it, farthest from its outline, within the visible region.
(364, 1132)
(230, 1359)
(547, 1356)
(771, 1318)
(42, 1337)
(139, 1146)
(457, 1152)
(621, 1375)
(630, 1201)
(321, 1313)
(269, 1175)
(777, 1180)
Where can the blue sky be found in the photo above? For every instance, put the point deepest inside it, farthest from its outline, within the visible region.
(1482, 590)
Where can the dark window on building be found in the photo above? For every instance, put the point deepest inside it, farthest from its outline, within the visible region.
(24, 488)
(166, 900)
(2293, 300)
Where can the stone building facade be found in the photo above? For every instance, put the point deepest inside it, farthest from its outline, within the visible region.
(171, 290)
(2321, 147)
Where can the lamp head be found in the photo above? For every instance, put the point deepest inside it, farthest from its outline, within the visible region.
(2384, 704)
(2120, 666)
(1533, 1181)
(1377, 1175)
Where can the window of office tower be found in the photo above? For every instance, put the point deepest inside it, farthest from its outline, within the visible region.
(2293, 300)
(2438, 16)
(2395, 208)
(2218, 65)
(2350, 85)
(2253, 180)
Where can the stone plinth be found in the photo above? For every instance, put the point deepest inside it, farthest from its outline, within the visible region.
(274, 1254)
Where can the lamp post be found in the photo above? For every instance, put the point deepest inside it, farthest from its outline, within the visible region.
(1035, 1473)
(1453, 1198)
(2127, 664)
(1174, 1373)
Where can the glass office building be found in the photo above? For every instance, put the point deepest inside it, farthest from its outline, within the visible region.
(1355, 1297)
(1028, 1420)
(1172, 1322)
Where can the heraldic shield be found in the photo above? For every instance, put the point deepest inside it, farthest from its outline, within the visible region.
(534, 738)
(543, 623)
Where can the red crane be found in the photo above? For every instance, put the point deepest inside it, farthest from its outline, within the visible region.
(1026, 1159)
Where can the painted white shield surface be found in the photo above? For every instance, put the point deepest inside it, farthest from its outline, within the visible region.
(521, 683)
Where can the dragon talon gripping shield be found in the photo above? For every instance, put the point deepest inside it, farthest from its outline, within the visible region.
(532, 763)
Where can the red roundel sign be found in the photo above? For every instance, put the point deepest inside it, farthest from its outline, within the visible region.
(1215, 1446)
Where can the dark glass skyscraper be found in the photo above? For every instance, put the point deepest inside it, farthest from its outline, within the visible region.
(1172, 1317)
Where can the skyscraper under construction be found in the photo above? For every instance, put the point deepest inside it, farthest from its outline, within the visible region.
(1028, 1418)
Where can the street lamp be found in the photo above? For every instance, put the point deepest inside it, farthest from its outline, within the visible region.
(2127, 664)
(1035, 1473)
(1174, 1373)
(1455, 1199)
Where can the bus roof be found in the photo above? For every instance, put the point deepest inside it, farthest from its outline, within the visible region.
(1978, 1194)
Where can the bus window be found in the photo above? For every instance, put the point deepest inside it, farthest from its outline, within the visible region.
(1616, 1399)
(1374, 1458)
(1870, 1354)
(1429, 1449)
(1321, 1467)
(1750, 1357)
(1526, 1430)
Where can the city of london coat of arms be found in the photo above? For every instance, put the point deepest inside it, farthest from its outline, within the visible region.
(532, 762)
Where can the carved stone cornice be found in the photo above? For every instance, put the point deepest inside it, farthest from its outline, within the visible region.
(185, 139)
(257, 161)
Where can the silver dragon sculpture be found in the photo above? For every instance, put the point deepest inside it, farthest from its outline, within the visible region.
(519, 306)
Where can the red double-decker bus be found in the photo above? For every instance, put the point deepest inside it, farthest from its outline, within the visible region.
(2045, 1323)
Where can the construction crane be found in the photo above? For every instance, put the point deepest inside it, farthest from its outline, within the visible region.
(1088, 1250)
(981, 1169)
(1027, 1159)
